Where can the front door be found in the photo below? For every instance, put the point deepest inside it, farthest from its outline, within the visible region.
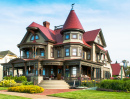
(59, 72)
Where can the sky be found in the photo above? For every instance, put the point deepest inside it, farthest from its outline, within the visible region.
(112, 16)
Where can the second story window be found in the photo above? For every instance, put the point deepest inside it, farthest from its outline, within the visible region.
(80, 36)
(67, 52)
(67, 36)
(58, 53)
(83, 55)
(88, 55)
(80, 52)
(36, 37)
(52, 52)
(42, 52)
(74, 36)
(74, 51)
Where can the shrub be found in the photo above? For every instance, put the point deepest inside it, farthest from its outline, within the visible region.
(115, 84)
(27, 83)
(17, 79)
(126, 79)
(7, 83)
(26, 89)
(89, 83)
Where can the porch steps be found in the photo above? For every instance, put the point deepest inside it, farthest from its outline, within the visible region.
(54, 84)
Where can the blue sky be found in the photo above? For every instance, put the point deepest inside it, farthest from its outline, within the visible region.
(112, 16)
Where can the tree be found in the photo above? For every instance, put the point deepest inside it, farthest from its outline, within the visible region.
(127, 70)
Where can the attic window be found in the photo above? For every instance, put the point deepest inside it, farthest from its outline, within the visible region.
(32, 37)
(98, 39)
(36, 37)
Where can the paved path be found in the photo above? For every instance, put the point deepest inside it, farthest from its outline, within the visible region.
(33, 96)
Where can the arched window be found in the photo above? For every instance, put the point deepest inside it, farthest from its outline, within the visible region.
(32, 37)
(36, 37)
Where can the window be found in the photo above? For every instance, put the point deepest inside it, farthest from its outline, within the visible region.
(80, 52)
(58, 53)
(74, 36)
(52, 52)
(80, 36)
(32, 37)
(83, 55)
(74, 51)
(43, 71)
(42, 52)
(74, 71)
(36, 37)
(51, 70)
(98, 39)
(67, 36)
(88, 55)
(27, 54)
(98, 73)
(67, 52)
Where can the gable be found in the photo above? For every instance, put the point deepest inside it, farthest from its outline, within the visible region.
(98, 40)
(41, 39)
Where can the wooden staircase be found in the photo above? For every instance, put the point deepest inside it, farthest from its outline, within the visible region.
(54, 84)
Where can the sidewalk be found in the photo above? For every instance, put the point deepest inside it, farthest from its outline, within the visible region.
(32, 96)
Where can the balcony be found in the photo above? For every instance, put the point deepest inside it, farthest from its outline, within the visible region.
(32, 56)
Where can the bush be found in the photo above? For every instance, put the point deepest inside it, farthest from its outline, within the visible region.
(26, 89)
(17, 79)
(126, 79)
(7, 83)
(115, 84)
(89, 83)
(27, 83)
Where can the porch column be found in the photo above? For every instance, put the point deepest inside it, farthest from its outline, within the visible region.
(91, 73)
(25, 69)
(8, 71)
(17, 72)
(41, 71)
(12, 69)
(35, 51)
(79, 73)
(64, 71)
(20, 53)
(32, 52)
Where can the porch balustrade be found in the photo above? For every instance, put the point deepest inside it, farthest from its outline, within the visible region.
(32, 57)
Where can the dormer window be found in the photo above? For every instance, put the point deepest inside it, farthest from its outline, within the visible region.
(36, 37)
(32, 38)
(74, 36)
(67, 36)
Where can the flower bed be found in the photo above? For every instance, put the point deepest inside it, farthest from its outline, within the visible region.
(26, 89)
(89, 83)
(123, 85)
(7, 83)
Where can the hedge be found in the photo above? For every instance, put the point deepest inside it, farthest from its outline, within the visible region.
(115, 84)
(26, 89)
(17, 79)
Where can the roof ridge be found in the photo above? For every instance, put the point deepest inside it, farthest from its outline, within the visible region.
(93, 30)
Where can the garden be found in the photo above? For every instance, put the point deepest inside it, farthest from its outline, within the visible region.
(19, 84)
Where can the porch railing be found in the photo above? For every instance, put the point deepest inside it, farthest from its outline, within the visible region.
(32, 57)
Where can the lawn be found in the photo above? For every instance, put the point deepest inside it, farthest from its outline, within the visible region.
(93, 94)
(3, 88)
(3, 96)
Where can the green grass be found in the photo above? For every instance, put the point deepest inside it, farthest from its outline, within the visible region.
(3, 88)
(3, 96)
(93, 94)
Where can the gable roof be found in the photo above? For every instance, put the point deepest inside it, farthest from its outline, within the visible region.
(101, 48)
(72, 22)
(4, 53)
(116, 69)
(90, 36)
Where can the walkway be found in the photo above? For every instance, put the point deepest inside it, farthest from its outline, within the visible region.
(39, 95)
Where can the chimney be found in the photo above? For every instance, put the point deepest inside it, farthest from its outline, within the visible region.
(46, 24)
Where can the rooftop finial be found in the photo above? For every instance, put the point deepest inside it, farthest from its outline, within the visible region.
(72, 6)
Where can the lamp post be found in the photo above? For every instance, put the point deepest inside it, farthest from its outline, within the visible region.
(121, 64)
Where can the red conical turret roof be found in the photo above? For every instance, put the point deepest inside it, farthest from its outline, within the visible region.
(72, 22)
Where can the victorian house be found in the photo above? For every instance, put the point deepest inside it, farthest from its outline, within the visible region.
(68, 52)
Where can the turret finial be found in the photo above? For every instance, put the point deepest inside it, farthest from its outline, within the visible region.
(72, 6)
